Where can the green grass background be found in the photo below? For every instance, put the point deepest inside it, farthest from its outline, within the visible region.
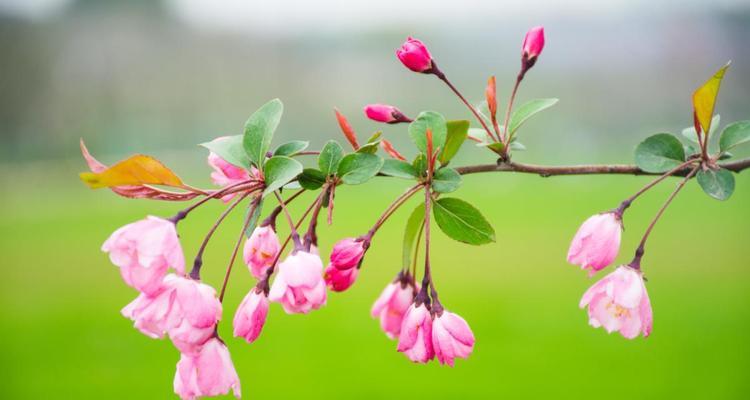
(63, 337)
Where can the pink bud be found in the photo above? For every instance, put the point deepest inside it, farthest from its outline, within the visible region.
(339, 280)
(385, 113)
(414, 55)
(391, 306)
(299, 285)
(144, 250)
(451, 338)
(347, 253)
(261, 250)
(209, 372)
(251, 316)
(597, 242)
(415, 339)
(533, 43)
(619, 302)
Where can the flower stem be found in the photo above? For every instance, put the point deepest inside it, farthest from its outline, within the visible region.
(506, 128)
(184, 213)
(627, 202)
(471, 108)
(249, 217)
(400, 200)
(294, 234)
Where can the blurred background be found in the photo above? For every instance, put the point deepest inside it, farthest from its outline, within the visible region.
(158, 77)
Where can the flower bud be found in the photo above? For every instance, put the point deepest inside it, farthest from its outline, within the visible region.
(385, 113)
(415, 56)
(415, 339)
(299, 285)
(533, 43)
(597, 242)
(392, 304)
(261, 250)
(339, 280)
(209, 372)
(348, 253)
(451, 337)
(251, 315)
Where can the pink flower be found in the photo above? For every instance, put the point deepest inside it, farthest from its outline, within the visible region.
(415, 339)
(340, 279)
(533, 43)
(209, 372)
(299, 285)
(451, 338)
(597, 242)
(251, 315)
(414, 55)
(144, 250)
(261, 250)
(385, 113)
(224, 173)
(348, 253)
(619, 302)
(392, 304)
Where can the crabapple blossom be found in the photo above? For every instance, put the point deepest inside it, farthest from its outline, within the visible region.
(261, 250)
(415, 339)
(208, 372)
(385, 113)
(415, 56)
(533, 43)
(347, 253)
(451, 337)
(339, 280)
(392, 304)
(597, 242)
(299, 284)
(251, 315)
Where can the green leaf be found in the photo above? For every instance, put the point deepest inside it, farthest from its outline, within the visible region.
(254, 217)
(527, 110)
(413, 226)
(230, 149)
(398, 169)
(279, 171)
(420, 164)
(718, 184)
(312, 179)
(291, 148)
(371, 147)
(259, 130)
(690, 134)
(517, 146)
(461, 221)
(330, 157)
(659, 153)
(457, 132)
(734, 135)
(358, 168)
(435, 123)
(446, 180)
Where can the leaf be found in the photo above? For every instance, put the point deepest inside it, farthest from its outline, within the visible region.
(690, 134)
(527, 110)
(230, 149)
(358, 168)
(659, 153)
(259, 130)
(517, 146)
(254, 217)
(330, 157)
(279, 171)
(435, 123)
(718, 184)
(420, 164)
(413, 226)
(446, 180)
(462, 222)
(312, 179)
(457, 133)
(291, 148)
(398, 169)
(704, 99)
(734, 135)
(371, 147)
(136, 170)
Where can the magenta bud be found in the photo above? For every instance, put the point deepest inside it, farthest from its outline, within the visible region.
(348, 253)
(339, 280)
(533, 43)
(415, 56)
(385, 113)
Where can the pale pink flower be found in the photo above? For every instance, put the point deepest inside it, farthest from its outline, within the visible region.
(224, 173)
(339, 280)
(619, 302)
(347, 253)
(385, 113)
(533, 43)
(392, 304)
(414, 55)
(299, 284)
(597, 242)
(251, 315)
(144, 251)
(415, 339)
(209, 372)
(451, 337)
(261, 249)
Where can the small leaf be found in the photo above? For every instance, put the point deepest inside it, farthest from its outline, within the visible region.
(371, 147)
(734, 135)
(461, 221)
(291, 148)
(435, 123)
(259, 130)
(413, 227)
(659, 153)
(279, 171)
(527, 110)
(420, 164)
(517, 146)
(690, 134)
(718, 184)
(457, 132)
(312, 179)
(358, 168)
(347, 129)
(446, 180)
(704, 99)
(398, 169)
(330, 157)
(230, 149)
(136, 170)
(257, 210)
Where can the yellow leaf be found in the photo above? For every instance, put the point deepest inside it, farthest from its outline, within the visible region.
(704, 99)
(136, 170)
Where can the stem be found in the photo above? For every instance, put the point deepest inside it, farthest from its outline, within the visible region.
(626, 203)
(392, 208)
(226, 190)
(311, 237)
(293, 234)
(416, 253)
(249, 217)
(506, 128)
(271, 219)
(286, 242)
(471, 108)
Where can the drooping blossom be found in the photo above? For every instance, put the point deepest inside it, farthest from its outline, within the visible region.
(451, 337)
(415, 339)
(209, 372)
(619, 302)
(144, 251)
(415, 56)
(392, 304)
(339, 280)
(533, 43)
(224, 173)
(597, 242)
(385, 113)
(251, 315)
(260, 250)
(299, 284)
(347, 253)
